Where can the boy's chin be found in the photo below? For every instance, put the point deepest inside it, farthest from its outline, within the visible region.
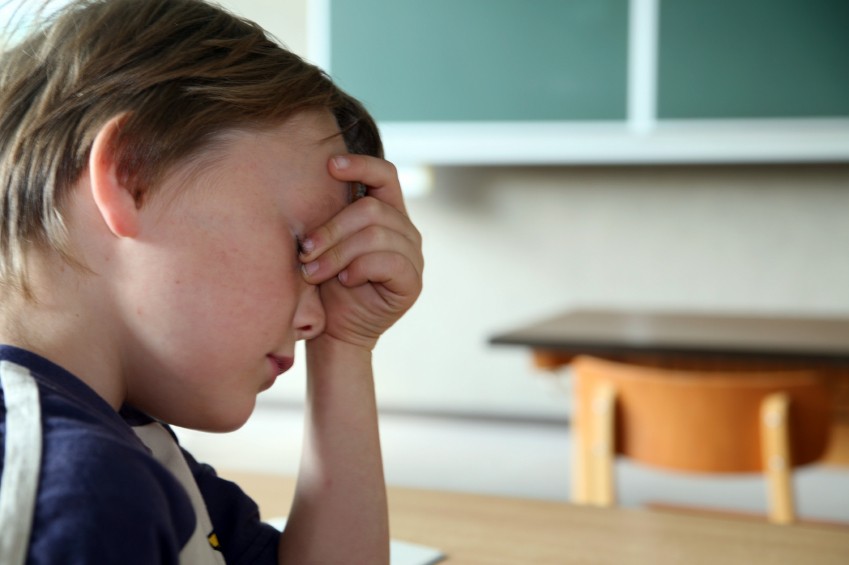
(226, 419)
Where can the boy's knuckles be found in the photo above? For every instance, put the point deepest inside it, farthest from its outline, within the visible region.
(399, 265)
(335, 258)
(390, 169)
(327, 235)
(374, 166)
(376, 237)
(370, 207)
(415, 235)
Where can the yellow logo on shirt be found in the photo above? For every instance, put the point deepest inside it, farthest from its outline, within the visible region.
(213, 541)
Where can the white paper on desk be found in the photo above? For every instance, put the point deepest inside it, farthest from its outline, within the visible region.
(400, 552)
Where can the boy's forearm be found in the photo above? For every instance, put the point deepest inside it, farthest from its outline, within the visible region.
(339, 513)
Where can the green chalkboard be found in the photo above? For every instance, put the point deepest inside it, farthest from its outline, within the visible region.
(483, 60)
(753, 58)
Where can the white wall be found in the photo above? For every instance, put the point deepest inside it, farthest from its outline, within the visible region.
(285, 19)
(507, 245)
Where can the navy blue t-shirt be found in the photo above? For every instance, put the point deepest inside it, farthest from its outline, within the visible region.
(102, 497)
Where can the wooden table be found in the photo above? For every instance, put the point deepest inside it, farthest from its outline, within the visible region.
(487, 530)
(698, 337)
(687, 340)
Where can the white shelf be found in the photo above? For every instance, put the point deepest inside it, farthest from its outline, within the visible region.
(617, 143)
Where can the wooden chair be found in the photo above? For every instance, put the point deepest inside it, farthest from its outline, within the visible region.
(697, 421)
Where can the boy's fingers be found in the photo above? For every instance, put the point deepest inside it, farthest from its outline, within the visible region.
(371, 239)
(358, 216)
(392, 271)
(380, 176)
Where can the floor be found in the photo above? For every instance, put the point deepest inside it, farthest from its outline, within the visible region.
(505, 457)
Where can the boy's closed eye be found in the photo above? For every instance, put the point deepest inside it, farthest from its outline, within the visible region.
(358, 190)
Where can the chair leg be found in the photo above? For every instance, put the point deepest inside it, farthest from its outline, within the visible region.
(601, 448)
(777, 463)
(580, 462)
(581, 454)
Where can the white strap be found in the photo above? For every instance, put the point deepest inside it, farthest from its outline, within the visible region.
(21, 464)
(198, 549)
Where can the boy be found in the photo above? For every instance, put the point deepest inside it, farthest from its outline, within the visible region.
(176, 213)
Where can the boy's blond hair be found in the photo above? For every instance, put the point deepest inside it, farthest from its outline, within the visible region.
(181, 71)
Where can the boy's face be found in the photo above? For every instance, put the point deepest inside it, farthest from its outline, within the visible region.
(214, 299)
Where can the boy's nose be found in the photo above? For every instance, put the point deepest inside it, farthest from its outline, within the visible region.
(309, 317)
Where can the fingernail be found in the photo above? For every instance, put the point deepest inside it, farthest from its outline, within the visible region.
(341, 162)
(310, 268)
(307, 246)
(343, 276)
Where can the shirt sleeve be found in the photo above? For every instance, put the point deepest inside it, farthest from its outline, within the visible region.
(244, 538)
(116, 509)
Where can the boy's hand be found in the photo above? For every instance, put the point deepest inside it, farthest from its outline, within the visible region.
(368, 258)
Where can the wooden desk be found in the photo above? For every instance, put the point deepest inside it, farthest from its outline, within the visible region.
(485, 530)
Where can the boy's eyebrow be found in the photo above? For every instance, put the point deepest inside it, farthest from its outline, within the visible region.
(330, 201)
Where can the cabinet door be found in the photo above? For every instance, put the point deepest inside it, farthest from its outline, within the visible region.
(483, 60)
(753, 58)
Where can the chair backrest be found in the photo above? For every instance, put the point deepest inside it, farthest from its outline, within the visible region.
(704, 421)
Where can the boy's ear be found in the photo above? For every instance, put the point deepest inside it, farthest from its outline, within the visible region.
(113, 199)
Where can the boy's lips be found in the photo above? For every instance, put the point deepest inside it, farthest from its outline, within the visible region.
(282, 364)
